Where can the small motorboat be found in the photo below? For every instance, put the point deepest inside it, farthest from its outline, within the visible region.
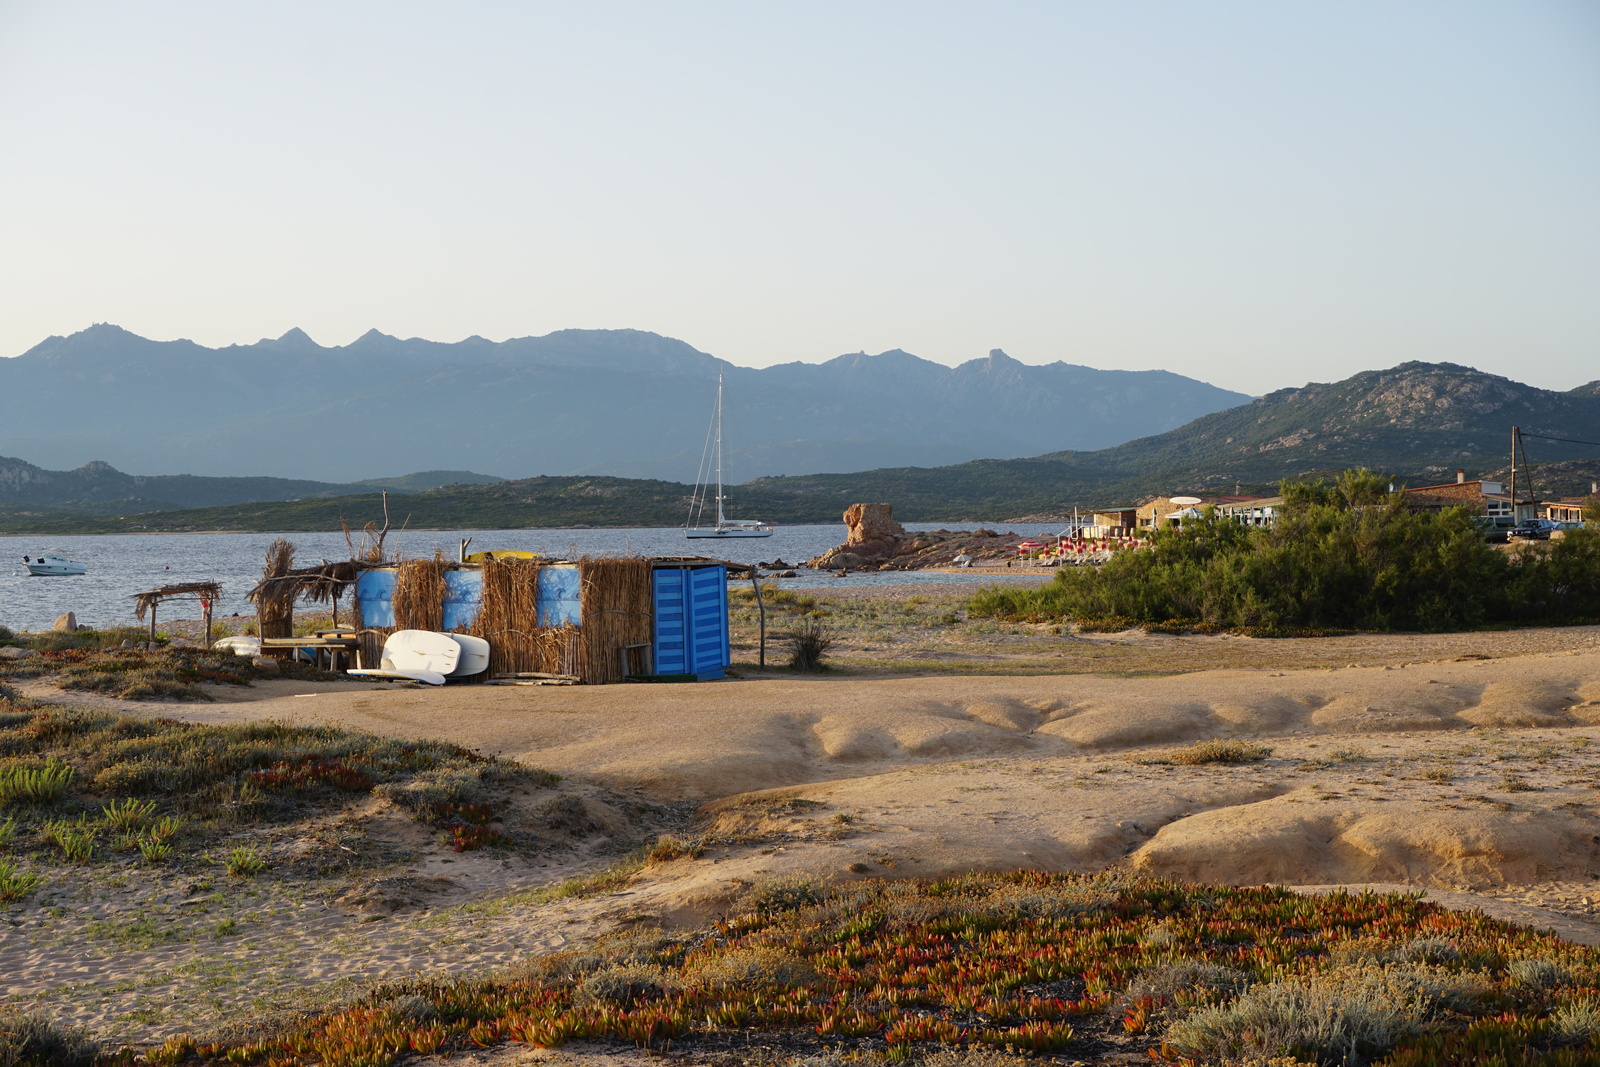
(53, 563)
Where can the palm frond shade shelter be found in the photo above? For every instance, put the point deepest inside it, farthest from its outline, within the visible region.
(205, 593)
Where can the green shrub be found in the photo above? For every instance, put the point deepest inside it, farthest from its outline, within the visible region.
(75, 839)
(1537, 974)
(809, 642)
(1576, 1022)
(14, 886)
(1340, 1018)
(28, 1040)
(628, 984)
(153, 852)
(754, 967)
(786, 893)
(129, 814)
(1180, 988)
(34, 783)
(244, 863)
(1220, 751)
(1337, 559)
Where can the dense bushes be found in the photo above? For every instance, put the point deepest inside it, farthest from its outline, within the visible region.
(1345, 558)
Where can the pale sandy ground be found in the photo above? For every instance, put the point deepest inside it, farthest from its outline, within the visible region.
(1471, 778)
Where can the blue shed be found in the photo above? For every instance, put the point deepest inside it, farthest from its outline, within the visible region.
(690, 603)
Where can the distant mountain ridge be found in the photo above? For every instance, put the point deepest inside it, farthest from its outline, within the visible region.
(1418, 422)
(613, 402)
(100, 489)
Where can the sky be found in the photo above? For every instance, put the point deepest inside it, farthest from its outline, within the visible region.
(1257, 194)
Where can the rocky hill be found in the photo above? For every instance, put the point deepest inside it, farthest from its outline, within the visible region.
(1421, 419)
(604, 402)
(1418, 421)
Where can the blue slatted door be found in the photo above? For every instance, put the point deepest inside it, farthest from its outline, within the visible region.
(708, 621)
(375, 593)
(671, 652)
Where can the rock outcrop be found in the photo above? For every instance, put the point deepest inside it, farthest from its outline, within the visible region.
(878, 542)
(874, 536)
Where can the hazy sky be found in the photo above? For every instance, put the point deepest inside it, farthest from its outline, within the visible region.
(1256, 194)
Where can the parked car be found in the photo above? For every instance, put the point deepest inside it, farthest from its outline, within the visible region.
(1534, 529)
(1493, 532)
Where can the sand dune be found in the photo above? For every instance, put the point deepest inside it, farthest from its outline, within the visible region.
(713, 740)
(994, 772)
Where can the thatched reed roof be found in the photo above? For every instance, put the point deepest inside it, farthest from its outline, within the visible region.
(318, 584)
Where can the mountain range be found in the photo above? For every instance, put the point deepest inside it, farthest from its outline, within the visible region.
(612, 402)
(1418, 422)
(99, 488)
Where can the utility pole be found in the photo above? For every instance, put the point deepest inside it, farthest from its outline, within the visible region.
(1516, 435)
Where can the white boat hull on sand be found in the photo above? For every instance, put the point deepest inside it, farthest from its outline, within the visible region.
(474, 655)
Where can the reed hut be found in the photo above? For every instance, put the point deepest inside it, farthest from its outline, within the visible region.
(595, 620)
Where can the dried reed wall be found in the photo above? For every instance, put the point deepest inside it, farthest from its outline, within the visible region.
(509, 621)
(616, 612)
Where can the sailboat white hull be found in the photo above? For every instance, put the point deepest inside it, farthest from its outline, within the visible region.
(724, 527)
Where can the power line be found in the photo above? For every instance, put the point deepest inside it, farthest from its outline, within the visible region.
(1563, 440)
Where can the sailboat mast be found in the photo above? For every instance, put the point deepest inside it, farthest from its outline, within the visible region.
(719, 449)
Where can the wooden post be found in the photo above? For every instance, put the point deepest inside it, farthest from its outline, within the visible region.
(205, 613)
(153, 626)
(761, 605)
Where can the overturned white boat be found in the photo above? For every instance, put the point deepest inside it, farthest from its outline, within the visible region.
(53, 563)
(427, 656)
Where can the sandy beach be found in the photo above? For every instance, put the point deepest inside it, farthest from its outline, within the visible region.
(1459, 765)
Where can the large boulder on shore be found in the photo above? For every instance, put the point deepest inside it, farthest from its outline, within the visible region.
(874, 536)
(66, 624)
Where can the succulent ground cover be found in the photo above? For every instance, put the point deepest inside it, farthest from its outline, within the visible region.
(86, 787)
(1057, 968)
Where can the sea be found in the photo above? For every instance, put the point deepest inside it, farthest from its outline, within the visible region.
(122, 565)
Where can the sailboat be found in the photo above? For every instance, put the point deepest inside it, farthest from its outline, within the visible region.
(724, 527)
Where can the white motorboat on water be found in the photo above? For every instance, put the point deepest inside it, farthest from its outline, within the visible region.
(724, 527)
(53, 563)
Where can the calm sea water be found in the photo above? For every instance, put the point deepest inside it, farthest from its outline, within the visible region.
(122, 565)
